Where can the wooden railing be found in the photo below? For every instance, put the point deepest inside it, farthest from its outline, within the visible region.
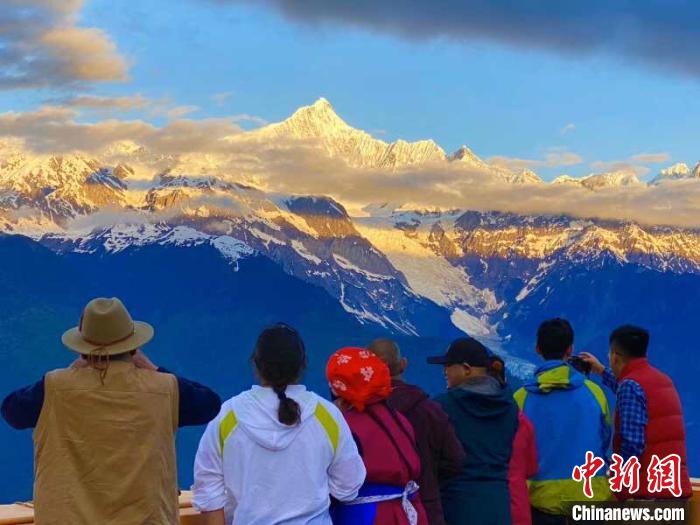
(20, 513)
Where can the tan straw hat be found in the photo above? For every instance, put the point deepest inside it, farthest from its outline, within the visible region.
(106, 327)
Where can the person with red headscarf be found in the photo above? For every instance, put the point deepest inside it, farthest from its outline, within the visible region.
(362, 383)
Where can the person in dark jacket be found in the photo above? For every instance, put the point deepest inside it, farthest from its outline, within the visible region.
(440, 451)
(485, 417)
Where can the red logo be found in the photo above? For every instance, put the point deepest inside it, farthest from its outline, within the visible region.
(586, 471)
(624, 474)
(665, 474)
(662, 474)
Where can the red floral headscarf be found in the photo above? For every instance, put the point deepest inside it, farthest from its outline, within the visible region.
(358, 376)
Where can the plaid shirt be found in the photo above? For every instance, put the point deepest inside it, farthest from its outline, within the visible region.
(631, 408)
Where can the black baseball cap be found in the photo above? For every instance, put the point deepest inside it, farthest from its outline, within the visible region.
(464, 350)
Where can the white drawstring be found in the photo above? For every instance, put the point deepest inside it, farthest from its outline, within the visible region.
(409, 490)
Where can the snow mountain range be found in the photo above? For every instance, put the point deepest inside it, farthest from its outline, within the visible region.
(395, 268)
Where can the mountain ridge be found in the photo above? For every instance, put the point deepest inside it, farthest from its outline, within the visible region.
(378, 267)
(63, 187)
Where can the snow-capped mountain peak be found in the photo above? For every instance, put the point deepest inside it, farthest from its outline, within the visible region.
(611, 179)
(320, 123)
(526, 176)
(464, 154)
(679, 171)
(597, 181)
(317, 120)
(60, 186)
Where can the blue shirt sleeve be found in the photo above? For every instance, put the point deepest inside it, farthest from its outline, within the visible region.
(22, 407)
(609, 380)
(198, 404)
(632, 413)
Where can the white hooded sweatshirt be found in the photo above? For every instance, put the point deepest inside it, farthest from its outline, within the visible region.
(263, 472)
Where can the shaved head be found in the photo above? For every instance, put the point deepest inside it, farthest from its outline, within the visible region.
(389, 352)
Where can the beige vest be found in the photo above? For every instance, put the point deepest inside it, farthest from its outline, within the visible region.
(105, 454)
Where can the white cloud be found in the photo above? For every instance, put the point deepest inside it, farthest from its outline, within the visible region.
(651, 158)
(452, 187)
(100, 103)
(633, 164)
(41, 45)
(554, 158)
(56, 130)
(178, 112)
(602, 166)
(107, 217)
(253, 119)
(568, 128)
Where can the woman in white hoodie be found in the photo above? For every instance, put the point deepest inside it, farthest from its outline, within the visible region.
(276, 453)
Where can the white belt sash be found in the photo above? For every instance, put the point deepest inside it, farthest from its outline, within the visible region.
(409, 490)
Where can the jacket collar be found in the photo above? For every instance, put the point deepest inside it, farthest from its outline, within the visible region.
(633, 366)
(555, 375)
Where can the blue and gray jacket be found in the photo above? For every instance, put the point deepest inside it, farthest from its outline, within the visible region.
(570, 415)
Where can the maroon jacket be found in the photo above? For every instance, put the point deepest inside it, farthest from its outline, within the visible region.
(387, 445)
(440, 451)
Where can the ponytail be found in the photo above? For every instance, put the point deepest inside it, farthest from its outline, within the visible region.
(280, 359)
(289, 412)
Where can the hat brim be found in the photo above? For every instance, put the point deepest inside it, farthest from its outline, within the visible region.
(143, 333)
(437, 360)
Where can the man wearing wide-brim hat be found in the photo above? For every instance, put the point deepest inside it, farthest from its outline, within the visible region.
(104, 439)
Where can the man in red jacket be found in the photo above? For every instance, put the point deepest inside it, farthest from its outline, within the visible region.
(648, 416)
(440, 451)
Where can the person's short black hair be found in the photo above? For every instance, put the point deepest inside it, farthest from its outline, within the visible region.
(554, 338)
(630, 341)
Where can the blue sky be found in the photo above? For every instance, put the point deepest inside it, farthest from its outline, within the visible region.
(498, 98)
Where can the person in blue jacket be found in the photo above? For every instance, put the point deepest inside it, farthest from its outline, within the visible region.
(570, 415)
